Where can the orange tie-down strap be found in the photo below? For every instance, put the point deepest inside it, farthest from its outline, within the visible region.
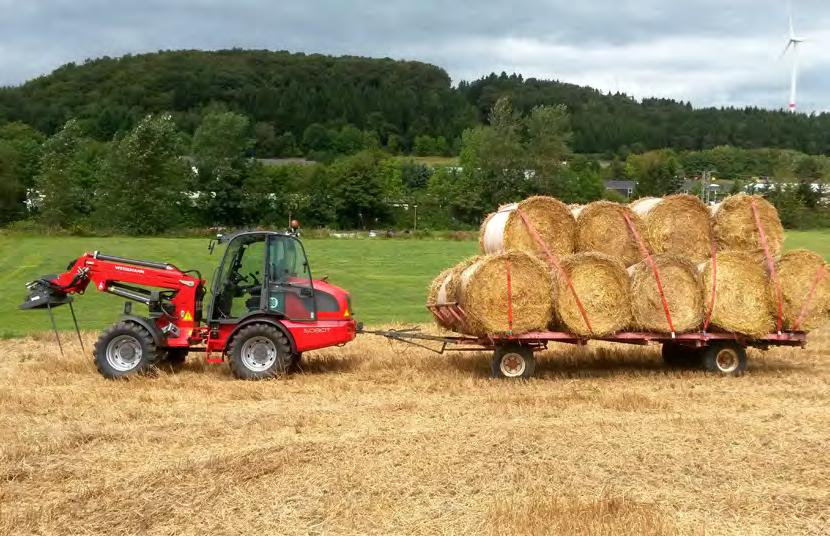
(770, 264)
(554, 262)
(650, 261)
(808, 301)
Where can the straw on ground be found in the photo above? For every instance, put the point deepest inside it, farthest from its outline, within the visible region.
(372, 438)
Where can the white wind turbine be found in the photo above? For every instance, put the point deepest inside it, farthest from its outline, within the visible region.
(793, 42)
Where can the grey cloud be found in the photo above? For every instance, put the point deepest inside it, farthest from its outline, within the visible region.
(706, 51)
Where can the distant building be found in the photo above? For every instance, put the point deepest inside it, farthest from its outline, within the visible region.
(624, 188)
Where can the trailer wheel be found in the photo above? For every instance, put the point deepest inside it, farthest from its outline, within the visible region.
(680, 355)
(513, 361)
(124, 349)
(727, 358)
(259, 351)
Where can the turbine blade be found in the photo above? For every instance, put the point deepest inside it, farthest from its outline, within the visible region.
(790, 15)
(786, 48)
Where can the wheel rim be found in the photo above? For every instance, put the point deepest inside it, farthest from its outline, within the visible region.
(259, 354)
(512, 365)
(727, 360)
(124, 353)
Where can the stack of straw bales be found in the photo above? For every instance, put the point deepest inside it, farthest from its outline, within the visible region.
(593, 278)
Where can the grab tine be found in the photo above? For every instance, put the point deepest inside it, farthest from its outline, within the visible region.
(54, 326)
(77, 329)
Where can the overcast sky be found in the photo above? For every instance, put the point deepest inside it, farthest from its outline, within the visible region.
(710, 52)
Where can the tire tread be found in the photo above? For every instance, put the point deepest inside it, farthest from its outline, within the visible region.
(99, 351)
(234, 351)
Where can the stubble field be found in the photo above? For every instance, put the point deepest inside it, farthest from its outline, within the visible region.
(373, 438)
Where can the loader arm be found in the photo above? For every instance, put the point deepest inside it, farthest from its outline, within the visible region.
(173, 297)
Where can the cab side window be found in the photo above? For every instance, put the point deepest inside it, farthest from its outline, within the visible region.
(290, 289)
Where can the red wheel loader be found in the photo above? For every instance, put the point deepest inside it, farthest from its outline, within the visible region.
(264, 309)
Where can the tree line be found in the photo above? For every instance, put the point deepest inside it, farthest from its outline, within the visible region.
(157, 178)
(322, 106)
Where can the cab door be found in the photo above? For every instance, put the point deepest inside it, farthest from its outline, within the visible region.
(290, 292)
(237, 286)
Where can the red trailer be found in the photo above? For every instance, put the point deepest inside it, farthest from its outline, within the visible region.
(714, 351)
(717, 352)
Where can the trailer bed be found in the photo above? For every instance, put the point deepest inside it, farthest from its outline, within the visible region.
(715, 351)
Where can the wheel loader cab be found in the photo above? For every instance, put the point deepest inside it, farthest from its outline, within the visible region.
(262, 272)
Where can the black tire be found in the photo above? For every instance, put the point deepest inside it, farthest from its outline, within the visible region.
(174, 358)
(725, 358)
(513, 362)
(259, 351)
(125, 349)
(680, 355)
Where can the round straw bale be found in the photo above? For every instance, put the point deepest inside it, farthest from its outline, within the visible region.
(482, 230)
(504, 230)
(735, 228)
(603, 288)
(444, 288)
(435, 286)
(677, 225)
(483, 294)
(432, 295)
(805, 289)
(742, 298)
(682, 287)
(602, 228)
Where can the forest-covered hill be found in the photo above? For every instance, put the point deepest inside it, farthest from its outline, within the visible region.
(286, 93)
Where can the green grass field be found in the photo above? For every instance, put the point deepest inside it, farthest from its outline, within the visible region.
(387, 278)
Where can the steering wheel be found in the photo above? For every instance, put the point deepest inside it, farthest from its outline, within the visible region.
(237, 278)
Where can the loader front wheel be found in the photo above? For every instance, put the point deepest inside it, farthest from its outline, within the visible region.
(259, 351)
(125, 349)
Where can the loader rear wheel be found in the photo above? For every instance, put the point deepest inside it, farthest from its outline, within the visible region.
(125, 349)
(513, 361)
(259, 351)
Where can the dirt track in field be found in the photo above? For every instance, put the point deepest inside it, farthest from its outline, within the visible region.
(374, 438)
